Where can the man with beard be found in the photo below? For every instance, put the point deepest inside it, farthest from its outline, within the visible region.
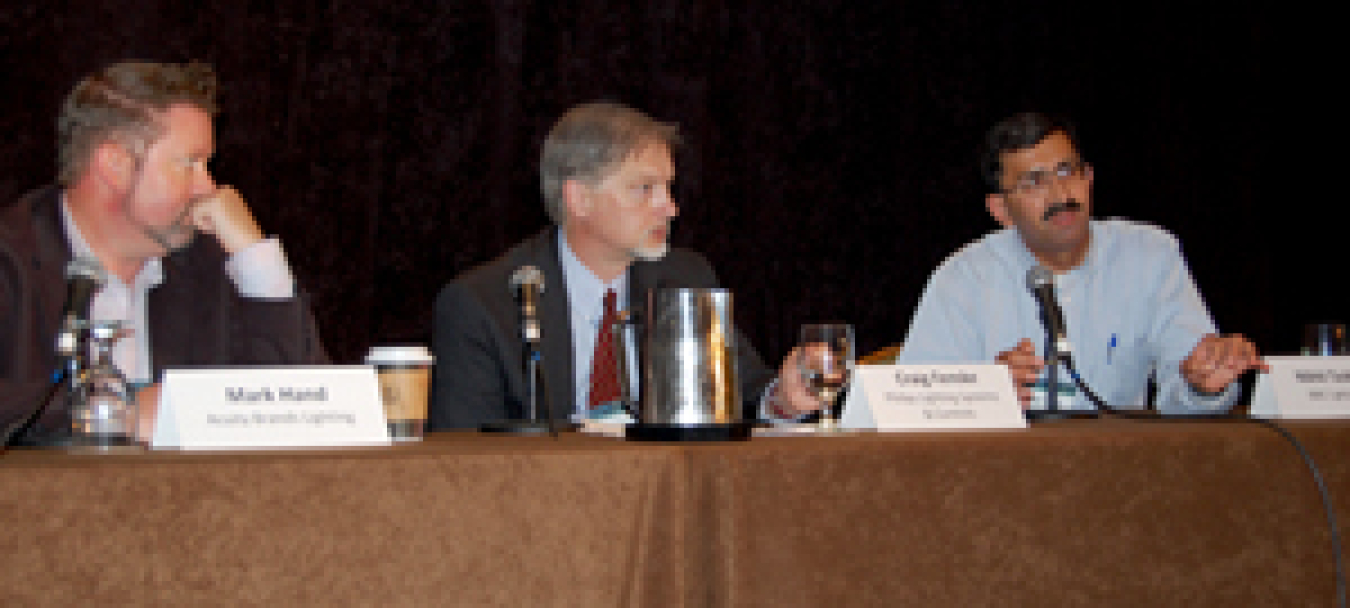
(133, 189)
(605, 172)
(1130, 306)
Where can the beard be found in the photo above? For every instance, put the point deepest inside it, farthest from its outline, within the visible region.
(651, 253)
(172, 238)
(176, 236)
(654, 250)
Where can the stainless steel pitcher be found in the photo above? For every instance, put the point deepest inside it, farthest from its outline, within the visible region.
(689, 359)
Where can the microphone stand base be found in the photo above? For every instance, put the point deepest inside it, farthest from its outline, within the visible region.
(525, 427)
(99, 443)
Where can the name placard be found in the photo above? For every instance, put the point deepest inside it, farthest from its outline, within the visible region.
(931, 397)
(251, 407)
(1303, 387)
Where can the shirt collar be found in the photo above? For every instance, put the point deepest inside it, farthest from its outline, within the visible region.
(151, 274)
(586, 291)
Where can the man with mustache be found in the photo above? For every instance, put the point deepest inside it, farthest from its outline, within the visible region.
(1130, 306)
(133, 190)
(605, 172)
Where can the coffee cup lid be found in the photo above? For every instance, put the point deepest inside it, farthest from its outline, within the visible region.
(405, 354)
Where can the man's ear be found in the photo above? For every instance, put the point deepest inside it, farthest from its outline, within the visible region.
(112, 165)
(576, 198)
(997, 203)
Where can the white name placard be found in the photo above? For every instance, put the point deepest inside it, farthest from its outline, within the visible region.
(1303, 387)
(930, 397)
(251, 407)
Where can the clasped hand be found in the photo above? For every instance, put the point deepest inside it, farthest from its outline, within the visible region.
(225, 216)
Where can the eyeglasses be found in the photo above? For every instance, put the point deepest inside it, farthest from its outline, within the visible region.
(1037, 181)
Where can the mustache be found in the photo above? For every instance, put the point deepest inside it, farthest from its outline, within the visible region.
(1068, 205)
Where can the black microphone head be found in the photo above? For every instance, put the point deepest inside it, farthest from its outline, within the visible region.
(528, 275)
(86, 269)
(1038, 277)
(84, 277)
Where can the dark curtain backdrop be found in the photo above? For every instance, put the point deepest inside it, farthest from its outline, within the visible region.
(830, 162)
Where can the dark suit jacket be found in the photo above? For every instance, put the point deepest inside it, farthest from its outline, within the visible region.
(196, 316)
(479, 374)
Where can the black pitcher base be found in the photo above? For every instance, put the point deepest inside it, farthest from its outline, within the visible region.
(646, 431)
(525, 427)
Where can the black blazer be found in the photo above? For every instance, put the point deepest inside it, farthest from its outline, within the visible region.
(196, 316)
(479, 375)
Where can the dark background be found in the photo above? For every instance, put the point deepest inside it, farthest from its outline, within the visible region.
(830, 163)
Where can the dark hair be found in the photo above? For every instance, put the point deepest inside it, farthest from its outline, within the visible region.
(122, 102)
(589, 141)
(1018, 132)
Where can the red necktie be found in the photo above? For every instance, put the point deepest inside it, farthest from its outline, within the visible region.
(605, 361)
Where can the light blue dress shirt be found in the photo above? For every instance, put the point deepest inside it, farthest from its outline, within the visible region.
(1131, 310)
(585, 299)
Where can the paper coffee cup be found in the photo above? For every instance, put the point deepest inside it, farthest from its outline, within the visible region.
(404, 373)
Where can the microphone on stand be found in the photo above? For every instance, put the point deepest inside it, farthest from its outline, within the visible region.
(1041, 282)
(84, 277)
(527, 285)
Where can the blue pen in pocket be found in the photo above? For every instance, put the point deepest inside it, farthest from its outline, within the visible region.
(1110, 349)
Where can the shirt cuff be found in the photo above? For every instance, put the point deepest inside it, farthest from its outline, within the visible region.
(1199, 402)
(261, 271)
(768, 406)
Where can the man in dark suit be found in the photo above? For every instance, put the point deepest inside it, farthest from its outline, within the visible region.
(133, 191)
(605, 172)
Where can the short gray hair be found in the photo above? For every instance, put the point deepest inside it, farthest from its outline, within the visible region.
(589, 141)
(121, 102)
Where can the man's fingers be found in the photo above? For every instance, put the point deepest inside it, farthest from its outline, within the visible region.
(1217, 361)
(1022, 362)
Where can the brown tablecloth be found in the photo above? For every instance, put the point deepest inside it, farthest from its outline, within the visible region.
(1064, 514)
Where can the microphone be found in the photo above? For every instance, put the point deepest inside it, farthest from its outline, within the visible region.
(528, 284)
(1041, 282)
(84, 277)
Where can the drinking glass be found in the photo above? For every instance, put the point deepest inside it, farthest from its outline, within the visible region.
(826, 361)
(103, 406)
